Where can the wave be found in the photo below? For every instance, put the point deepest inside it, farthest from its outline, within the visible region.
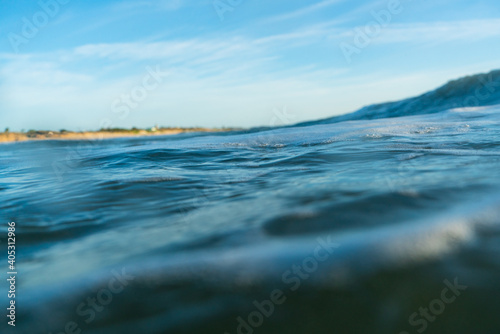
(472, 91)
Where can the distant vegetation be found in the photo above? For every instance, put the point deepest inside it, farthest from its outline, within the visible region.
(114, 130)
(34, 133)
(37, 134)
(134, 129)
(152, 129)
(31, 134)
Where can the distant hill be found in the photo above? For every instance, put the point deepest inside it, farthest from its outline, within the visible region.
(471, 91)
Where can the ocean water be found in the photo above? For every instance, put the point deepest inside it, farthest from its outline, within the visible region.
(362, 226)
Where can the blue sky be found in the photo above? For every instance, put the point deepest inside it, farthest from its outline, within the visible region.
(83, 64)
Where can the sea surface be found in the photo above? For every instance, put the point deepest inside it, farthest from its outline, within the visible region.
(359, 226)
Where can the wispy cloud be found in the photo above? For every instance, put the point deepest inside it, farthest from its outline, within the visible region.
(432, 32)
(188, 52)
(303, 11)
(468, 30)
(168, 5)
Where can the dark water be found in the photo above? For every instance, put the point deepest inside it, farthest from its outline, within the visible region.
(347, 228)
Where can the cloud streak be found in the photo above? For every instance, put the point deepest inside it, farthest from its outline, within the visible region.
(303, 11)
(466, 31)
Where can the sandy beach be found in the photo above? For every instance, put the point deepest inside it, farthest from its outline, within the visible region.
(7, 137)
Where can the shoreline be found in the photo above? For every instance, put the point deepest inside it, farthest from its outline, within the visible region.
(12, 137)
